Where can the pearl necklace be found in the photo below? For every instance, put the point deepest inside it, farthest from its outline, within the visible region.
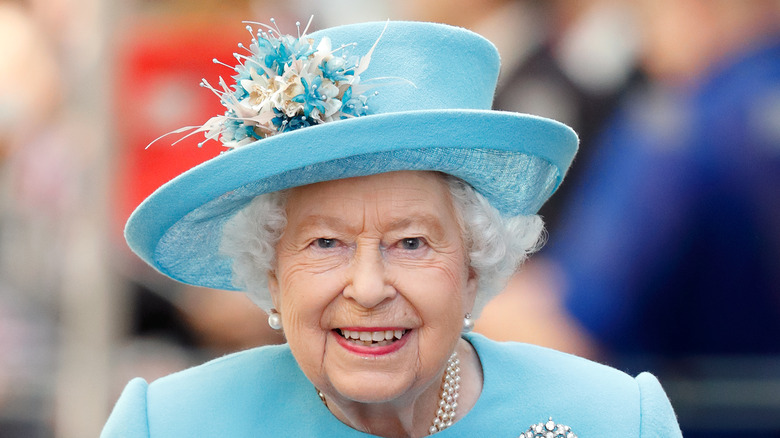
(448, 399)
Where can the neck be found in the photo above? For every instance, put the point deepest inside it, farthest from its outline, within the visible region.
(412, 415)
(391, 420)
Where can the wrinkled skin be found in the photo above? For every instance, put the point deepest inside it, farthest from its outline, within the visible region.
(381, 251)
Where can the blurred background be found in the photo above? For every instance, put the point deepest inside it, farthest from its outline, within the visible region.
(664, 241)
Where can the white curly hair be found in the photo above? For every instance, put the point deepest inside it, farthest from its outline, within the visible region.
(496, 245)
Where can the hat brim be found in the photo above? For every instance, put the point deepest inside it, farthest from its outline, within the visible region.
(515, 160)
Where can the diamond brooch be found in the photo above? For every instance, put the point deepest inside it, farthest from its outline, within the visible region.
(548, 430)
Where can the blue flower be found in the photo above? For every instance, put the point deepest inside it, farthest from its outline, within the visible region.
(337, 69)
(299, 48)
(353, 106)
(278, 53)
(316, 95)
(278, 59)
(241, 75)
(235, 130)
(285, 123)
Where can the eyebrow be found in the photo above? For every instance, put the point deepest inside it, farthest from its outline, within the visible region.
(427, 220)
(317, 220)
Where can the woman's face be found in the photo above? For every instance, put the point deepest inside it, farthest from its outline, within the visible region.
(379, 258)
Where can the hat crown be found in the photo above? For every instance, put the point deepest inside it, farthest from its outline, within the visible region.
(421, 66)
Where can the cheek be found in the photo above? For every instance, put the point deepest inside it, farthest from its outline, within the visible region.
(437, 292)
(437, 296)
(304, 301)
(306, 293)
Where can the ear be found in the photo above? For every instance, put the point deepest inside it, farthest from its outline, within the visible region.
(273, 289)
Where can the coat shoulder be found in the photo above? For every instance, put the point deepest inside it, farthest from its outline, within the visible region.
(235, 395)
(592, 398)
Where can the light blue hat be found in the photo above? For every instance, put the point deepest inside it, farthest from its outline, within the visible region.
(427, 92)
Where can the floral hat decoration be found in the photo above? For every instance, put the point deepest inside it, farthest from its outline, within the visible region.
(342, 102)
(285, 83)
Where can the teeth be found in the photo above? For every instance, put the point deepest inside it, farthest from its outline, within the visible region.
(368, 337)
(350, 334)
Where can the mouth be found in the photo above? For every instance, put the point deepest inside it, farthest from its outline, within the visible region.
(372, 338)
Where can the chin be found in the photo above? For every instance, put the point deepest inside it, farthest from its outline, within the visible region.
(371, 387)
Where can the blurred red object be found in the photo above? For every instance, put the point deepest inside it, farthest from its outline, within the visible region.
(160, 64)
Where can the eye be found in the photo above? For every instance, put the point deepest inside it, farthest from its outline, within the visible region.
(411, 243)
(325, 243)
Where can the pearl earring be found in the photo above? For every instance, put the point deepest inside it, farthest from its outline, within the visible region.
(468, 323)
(275, 320)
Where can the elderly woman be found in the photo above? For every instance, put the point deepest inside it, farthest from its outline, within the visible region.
(372, 204)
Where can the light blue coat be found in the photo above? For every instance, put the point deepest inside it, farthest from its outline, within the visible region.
(262, 392)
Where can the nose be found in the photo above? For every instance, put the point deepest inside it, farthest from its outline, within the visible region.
(368, 285)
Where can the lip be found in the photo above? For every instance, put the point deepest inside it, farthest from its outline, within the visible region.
(363, 350)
